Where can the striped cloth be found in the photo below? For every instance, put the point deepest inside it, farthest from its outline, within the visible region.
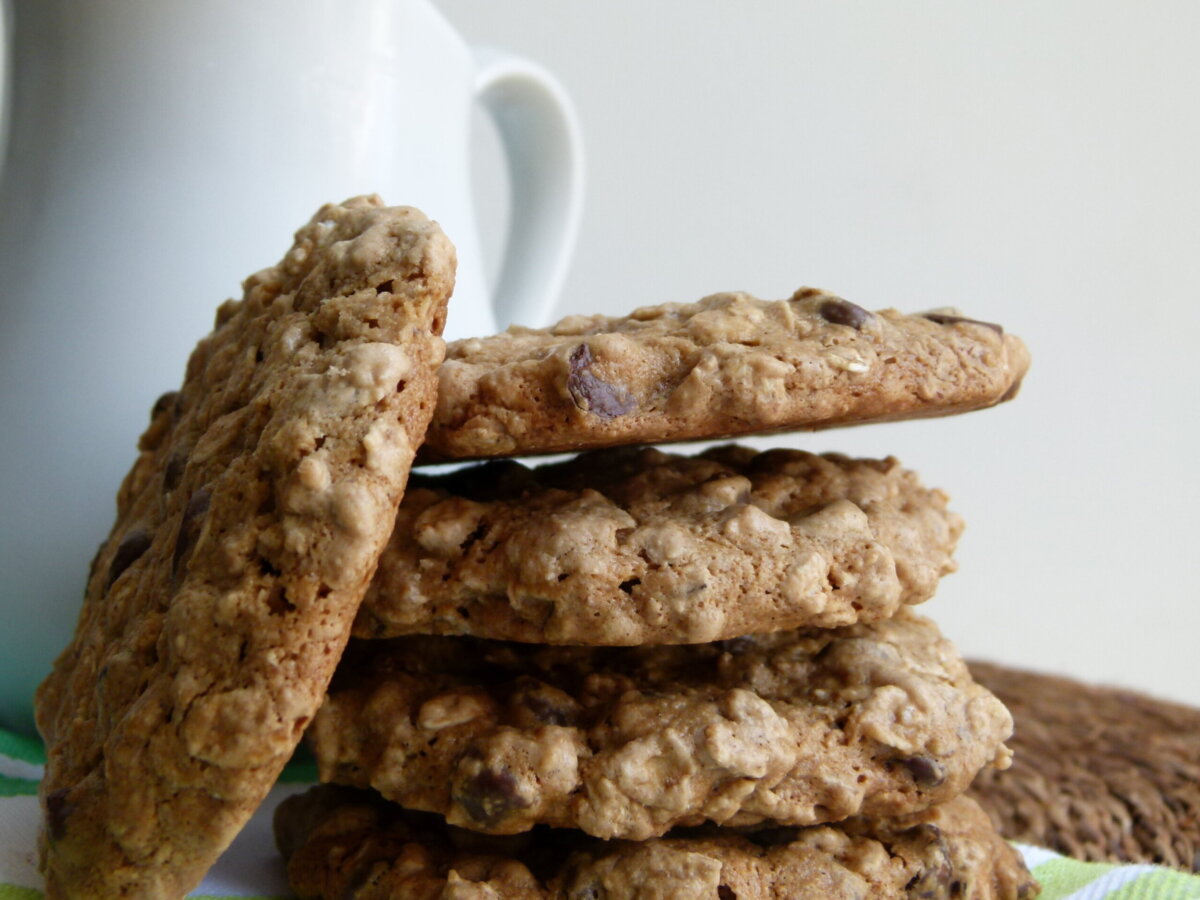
(252, 870)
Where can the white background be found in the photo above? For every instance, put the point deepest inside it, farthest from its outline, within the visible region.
(1032, 163)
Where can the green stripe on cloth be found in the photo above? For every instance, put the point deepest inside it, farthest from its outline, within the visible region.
(1061, 877)
(1069, 879)
(9, 892)
(1161, 884)
(18, 746)
(17, 787)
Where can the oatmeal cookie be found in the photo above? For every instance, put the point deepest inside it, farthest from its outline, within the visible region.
(727, 365)
(635, 546)
(343, 844)
(798, 727)
(246, 534)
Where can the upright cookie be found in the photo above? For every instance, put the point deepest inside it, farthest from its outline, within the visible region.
(1100, 773)
(727, 365)
(797, 727)
(343, 844)
(246, 534)
(628, 546)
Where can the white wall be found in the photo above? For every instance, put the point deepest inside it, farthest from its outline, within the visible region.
(1033, 163)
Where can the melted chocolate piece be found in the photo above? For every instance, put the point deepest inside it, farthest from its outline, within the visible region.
(58, 810)
(543, 704)
(843, 312)
(936, 881)
(925, 772)
(490, 795)
(132, 546)
(590, 393)
(168, 401)
(173, 470)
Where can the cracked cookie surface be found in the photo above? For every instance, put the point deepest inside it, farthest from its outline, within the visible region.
(246, 533)
(343, 844)
(797, 727)
(635, 546)
(727, 365)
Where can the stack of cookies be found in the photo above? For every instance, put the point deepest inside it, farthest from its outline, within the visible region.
(636, 673)
(628, 674)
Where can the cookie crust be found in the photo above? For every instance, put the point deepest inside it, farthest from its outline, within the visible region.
(635, 546)
(246, 534)
(797, 727)
(343, 844)
(727, 365)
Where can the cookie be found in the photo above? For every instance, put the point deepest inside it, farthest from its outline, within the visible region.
(343, 844)
(246, 533)
(635, 546)
(798, 727)
(727, 365)
(1100, 773)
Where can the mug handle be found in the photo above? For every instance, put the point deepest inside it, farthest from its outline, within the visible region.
(544, 149)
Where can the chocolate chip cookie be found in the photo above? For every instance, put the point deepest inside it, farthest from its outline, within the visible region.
(727, 365)
(797, 727)
(1099, 773)
(246, 534)
(343, 844)
(635, 546)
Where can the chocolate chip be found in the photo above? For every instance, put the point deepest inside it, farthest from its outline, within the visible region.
(173, 470)
(189, 529)
(167, 402)
(943, 319)
(936, 879)
(930, 884)
(843, 312)
(925, 772)
(534, 703)
(58, 810)
(488, 796)
(725, 892)
(132, 546)
(590, 393)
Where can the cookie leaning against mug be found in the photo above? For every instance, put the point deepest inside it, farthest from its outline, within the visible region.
(246, 533)
(727, 365)
(343, 844)
(633, 546)
(798, 727)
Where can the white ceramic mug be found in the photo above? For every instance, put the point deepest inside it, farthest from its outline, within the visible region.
(157, 152)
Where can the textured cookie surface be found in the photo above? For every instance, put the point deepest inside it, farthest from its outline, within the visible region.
(343, 844)
(246, 534)
(627, 547)
(727, 365)
(1099, 773)
(796, 727)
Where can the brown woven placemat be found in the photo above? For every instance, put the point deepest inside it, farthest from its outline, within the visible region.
(1099, 773)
